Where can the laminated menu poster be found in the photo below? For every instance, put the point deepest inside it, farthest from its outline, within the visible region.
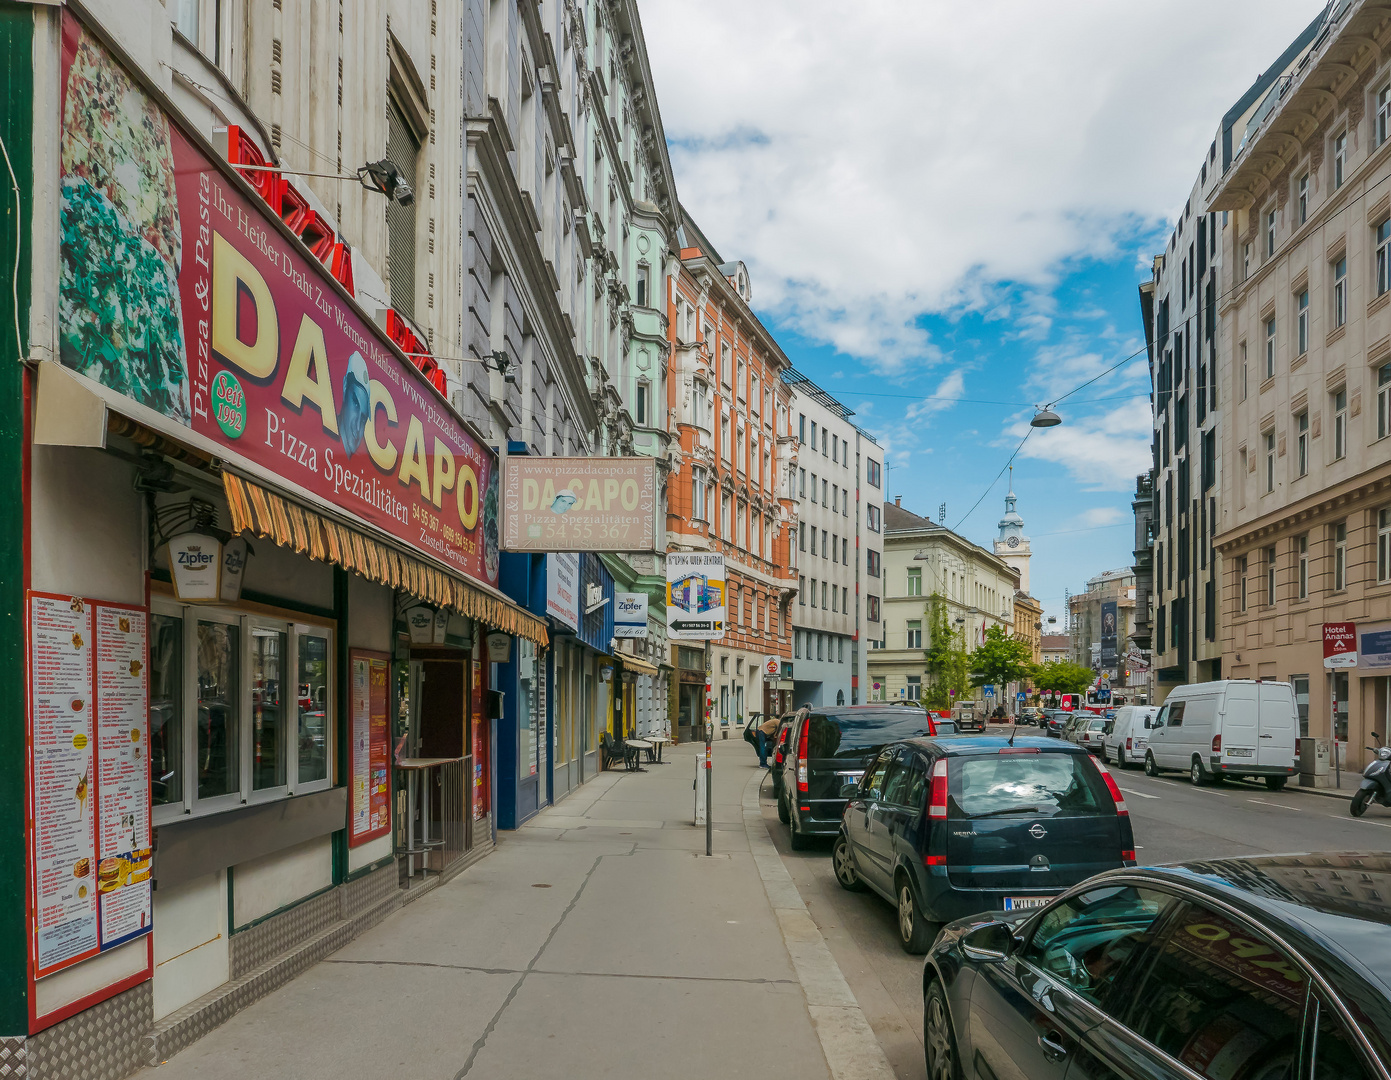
(89, 778)
(62, 781)
(369, 762)
(123, 773)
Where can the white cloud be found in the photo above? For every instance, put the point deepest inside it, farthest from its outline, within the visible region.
(1103, 452)
(875, 162)
(943, 398)
(1100, 516)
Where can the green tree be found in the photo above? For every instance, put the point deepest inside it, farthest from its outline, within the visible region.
(1000, 660)
(1063, 677)
(948, 662)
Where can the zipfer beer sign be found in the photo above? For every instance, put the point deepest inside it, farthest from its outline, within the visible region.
(179, 292)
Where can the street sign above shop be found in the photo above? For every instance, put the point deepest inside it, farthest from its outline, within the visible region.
(630, 615)
(182, 292)
(695, 596)
(772, 667)
(579, 504)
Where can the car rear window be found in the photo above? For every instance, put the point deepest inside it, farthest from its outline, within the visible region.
(946, 727)
(835, 735)
(1050, 784)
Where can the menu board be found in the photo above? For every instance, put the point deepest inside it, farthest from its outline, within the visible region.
(369, 760)
(62, 781)
(123, 772)
(480, 743)
(89, 777)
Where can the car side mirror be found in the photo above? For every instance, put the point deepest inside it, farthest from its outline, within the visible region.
(988, 944)
(849, 791)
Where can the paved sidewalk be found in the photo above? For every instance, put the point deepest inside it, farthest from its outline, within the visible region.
(598, 940)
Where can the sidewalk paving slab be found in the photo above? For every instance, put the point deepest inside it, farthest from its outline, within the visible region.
(583, 946)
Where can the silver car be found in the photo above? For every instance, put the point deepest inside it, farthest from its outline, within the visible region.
(1092, 734)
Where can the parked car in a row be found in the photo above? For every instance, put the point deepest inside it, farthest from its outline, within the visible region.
(829, 748)
(1259, 968)
(1126, 742)
(948, 827)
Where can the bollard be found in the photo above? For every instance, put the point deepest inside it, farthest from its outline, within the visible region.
(709, 815)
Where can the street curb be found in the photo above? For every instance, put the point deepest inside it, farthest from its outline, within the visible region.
(851, 1048)
(1326, 793)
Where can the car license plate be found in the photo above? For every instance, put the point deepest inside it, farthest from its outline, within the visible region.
(1020, 903)
(1240, 751)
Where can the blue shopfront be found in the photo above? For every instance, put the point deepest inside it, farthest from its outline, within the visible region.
(555, 700)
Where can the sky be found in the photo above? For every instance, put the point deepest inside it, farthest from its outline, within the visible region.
(946, 209)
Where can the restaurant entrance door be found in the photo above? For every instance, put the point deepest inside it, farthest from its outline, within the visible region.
(436, 761)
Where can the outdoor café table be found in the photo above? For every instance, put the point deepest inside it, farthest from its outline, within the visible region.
(417, 771)
(658, 741)
(640, 744)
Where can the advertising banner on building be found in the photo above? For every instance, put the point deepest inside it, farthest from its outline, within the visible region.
(1374, 645)
(580, 504)
(630, 615)
(1109, 650)
(183, 293)
(1339, 645)
(695, 596)
(563, 588)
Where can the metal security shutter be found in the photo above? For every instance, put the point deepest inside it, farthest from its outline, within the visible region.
(401, 147)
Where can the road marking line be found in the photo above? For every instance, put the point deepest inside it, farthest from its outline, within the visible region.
(1280, 806)
(1383, 824)
(1203, 790)
(1141, 794)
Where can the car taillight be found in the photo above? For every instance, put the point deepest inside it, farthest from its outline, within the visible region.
(802, 755)
(1217, 744)
(937, 803)
(934, 860)
(1128, 856)
(1127, 743)
(1116, 795)
(1019, 750)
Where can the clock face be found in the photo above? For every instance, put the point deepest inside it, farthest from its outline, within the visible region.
(1013, 541)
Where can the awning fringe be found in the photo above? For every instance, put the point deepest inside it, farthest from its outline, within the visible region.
(266, 514)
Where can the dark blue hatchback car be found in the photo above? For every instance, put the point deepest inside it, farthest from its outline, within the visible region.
(945, 828)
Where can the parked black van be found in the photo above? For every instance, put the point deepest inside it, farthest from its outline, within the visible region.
(829, 749)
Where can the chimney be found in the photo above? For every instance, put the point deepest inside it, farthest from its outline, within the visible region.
(898, 501)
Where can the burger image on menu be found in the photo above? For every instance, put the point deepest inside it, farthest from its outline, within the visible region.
(108, 874)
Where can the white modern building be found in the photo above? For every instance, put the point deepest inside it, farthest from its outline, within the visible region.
(838, 550)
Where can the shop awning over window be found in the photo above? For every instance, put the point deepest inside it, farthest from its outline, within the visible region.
(262, 512)
(642, 667)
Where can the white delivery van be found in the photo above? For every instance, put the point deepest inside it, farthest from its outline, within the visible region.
(1129, 736)
(1235, 727)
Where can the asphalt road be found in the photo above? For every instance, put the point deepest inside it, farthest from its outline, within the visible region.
(1172, 821)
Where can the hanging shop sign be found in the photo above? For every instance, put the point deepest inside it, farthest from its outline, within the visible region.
(1339, 645)
(772, 667)
(369, 762)
(563, 588)
(695, 596)
(89, 778)
(630, 615)
(499, 647)
(182, 292)
(196, 565)
(234, 554)
(580, 504)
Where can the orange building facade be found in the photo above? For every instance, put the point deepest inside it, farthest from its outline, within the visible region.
(728, 490)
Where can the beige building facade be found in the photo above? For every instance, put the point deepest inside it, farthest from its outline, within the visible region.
(1306, 482)
(922, 558)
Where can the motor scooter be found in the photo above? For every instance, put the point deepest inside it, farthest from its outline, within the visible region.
(1376, 781)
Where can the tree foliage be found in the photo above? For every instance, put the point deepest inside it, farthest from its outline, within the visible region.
(1000, 660)
(948, 663)
(1063, 677)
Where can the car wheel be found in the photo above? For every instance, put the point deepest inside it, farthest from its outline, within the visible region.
(798, 841)
(843, 860)
(1120, 759)
(1359, 803)
(1195, 773)
(784, 813)
(1275, 783)
(913, 932)
(939, 1044)
(1151, 769)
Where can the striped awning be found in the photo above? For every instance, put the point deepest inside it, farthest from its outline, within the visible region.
(264, 513)
(632, 663)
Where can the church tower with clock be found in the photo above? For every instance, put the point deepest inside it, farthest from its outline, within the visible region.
(1012, 545)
